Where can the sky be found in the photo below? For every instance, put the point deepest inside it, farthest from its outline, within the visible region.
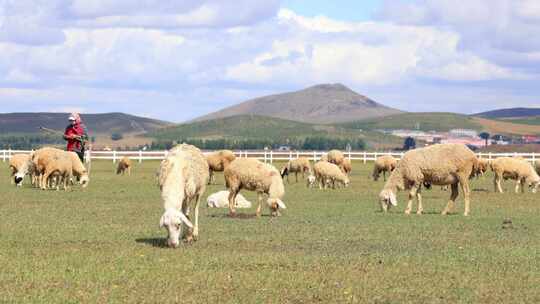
(179, 59)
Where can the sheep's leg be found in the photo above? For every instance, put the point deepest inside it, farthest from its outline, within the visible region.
(129, 171)
(419, 199)
(412, 194)
(497, 183)
(196, 223)
(384, 175)
(44, 180)
(296, 176)
(453, 196)
(259, 198)
(464, 182)
(232, 197)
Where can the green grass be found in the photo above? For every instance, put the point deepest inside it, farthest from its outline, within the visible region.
(425, 121)
(534, 120)
(104, 245)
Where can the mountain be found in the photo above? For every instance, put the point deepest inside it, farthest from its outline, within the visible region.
(427, 121)
(246, 127)
(510, 113)
(106, 123)
(325, 103)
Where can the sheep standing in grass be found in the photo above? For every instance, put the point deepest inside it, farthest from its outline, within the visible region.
(124, 165)
(183, 178)
(442, 164)
(218, 161)
(517, 169)
(221, 200)
(46, 159)
(253, 175)
(483, 166)
(60, 166)
(326, 173)
(311, 179)
(79, 170)
(336, 157)
(18, 163)
(299, 165)
(383, 164)
(347, 166)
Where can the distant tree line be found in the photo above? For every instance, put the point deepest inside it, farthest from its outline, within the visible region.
(309, 143)
(30, 141)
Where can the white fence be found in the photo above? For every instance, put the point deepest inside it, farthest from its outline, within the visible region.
(266, 156)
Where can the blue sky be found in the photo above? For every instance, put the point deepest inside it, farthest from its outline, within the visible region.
(176, 60)
(350, 10)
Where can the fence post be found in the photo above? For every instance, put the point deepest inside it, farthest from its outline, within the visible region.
(290, 155)
(314, 156)
(140, 156)
(114, 157)
(4, 155)
(297, 154)
(265, 156)
(365, 157)
(271, 156)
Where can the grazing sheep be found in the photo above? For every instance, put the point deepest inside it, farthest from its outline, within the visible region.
(296, 166)
(59, 165)
(441, 164)
(79, 170)
(517, 169)
(383, 164)
(218, 161)
(254, 175)
(124, 165)
(483, 166)
(18, 162)
(182, 180)
(326, 173)
(221, 200)
(44, 158)
(336, 157)
(347, 166)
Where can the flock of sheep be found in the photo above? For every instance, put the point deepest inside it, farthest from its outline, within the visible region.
(184, 174)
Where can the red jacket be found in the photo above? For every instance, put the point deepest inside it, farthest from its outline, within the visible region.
(74, 144)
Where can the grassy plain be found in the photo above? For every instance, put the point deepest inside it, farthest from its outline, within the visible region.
(103, 245)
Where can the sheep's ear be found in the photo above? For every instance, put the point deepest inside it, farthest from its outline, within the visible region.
(393, 199)
(184, 219)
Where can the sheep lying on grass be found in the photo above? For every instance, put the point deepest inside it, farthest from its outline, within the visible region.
(218, 161)
(326, 173)
(517, 169)
(299, 165)
(253, 175)
(383, 164)
(183, 178)
(124, 165)
(221, 200)
(442, 164)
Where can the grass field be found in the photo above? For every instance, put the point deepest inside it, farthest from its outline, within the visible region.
(104, 245)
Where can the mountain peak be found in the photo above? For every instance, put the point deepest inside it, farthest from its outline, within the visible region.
(322, 103)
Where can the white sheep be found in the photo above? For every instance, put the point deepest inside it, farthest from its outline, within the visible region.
(46, 159)
(441, 164)
(311, 179)
(18, 163)
(327, 173)
(336, 157)
(517, 169)
(182, 180)
(299, 165)
(383, 164)
(218, 161)
(221, 200)
(253, 175)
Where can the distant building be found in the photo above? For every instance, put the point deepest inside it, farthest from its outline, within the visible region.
(463, 133)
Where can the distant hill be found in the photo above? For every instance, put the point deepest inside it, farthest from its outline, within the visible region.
(434, 121)
(322, 104)
(261, 127)
(99, 124)
(510, 113)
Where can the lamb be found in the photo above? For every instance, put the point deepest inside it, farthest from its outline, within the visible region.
(183, 177)
(326, 173)
(441, 164)
(254, 175)
(311, 179)
(221, 200)
(18, 162)
(383, 164)
(79, 170)
(218, 161)
(123, 165)
(517, 169)
(295, 166)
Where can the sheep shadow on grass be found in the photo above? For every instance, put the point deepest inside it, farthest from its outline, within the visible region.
(154, 242)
